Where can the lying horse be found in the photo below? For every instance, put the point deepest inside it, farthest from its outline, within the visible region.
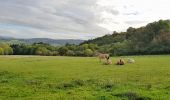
(120, 62)
(108, 61)
(130, 60)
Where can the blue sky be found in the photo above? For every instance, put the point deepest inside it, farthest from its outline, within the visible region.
(76, 19)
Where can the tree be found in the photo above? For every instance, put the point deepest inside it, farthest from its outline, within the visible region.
(70, 53)
(41, 51)
(1, 51)
(63, 51)
(10, 51)
(88, 52)
(93, 47)
(6, 49)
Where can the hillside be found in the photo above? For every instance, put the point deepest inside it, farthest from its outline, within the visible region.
(107, 39)
(146, 34)
(154, 38)
(44, 40)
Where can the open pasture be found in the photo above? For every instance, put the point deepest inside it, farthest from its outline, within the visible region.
(83, 78)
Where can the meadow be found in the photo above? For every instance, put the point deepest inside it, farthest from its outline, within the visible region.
(84, 78)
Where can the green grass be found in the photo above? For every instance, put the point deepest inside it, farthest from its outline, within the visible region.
(80, 78)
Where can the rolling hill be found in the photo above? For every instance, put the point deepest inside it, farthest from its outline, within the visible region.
(12, 40)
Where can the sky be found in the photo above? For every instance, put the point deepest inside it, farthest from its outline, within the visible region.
(77, 19)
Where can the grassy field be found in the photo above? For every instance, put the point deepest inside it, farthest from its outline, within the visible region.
(80, 78)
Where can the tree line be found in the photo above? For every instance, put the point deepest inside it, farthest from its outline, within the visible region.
(45, 49)
(154, 38)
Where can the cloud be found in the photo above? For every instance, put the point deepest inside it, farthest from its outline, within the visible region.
(51, 17)
(77, 19)
(132, 13)
(135, 22)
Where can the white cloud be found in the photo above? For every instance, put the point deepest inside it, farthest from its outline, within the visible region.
(133, 13)
(79, 19)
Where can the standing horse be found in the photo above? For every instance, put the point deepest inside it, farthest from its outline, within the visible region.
(102, 56)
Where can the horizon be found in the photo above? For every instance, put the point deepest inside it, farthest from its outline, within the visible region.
(76, 19)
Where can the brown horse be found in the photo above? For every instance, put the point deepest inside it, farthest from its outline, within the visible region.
(108, 61)
(120, 62)
(102, 56)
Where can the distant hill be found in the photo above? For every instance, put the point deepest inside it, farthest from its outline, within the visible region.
(56, 42)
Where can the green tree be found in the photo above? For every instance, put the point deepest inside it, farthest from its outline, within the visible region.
(88, 52)
(70, 53)
(1, 51)
(6, 48)
(41, 51)
(63, 51)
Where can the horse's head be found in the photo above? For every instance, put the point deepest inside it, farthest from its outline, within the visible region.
(108, 58)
